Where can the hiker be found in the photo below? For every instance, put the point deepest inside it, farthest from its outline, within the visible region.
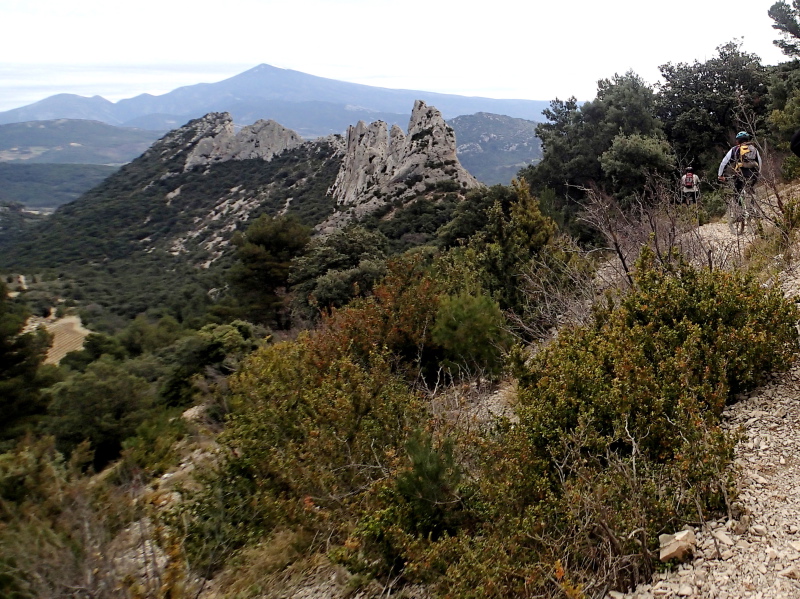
(746, 162)
(690, 186)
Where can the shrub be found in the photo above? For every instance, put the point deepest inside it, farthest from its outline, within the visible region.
(790, 168)
(56, 525)
(103, 405)
(424, 501)
(336, 268)
(304, 445)
(618, 437)
(471, 330)
(618, 440)
(398, 317)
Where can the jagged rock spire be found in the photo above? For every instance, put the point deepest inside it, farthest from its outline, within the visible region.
(377, 163)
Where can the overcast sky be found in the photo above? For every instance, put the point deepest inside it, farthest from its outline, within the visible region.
(532, 50)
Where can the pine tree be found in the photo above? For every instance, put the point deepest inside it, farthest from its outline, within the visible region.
(787, 21)
(20, 358)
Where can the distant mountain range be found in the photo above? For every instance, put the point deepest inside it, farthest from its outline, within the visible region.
(68, 131)
(44, 164)
(310, 105)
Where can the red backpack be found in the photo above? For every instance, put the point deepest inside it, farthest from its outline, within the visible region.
(688, 180)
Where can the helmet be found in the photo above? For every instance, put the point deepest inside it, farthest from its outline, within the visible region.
(742, 135)
(689, 169)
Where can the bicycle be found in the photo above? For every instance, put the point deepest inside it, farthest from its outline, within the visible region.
(744, 211)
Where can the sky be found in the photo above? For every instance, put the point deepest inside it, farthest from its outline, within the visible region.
(531, 50)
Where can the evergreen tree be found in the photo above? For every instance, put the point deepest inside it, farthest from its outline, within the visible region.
(516, 230)
(103, 405)
(703, 104)
(337, 268)
(786, 19)
(576, 136)
(21, 355)
(261, 274)
(631, 159)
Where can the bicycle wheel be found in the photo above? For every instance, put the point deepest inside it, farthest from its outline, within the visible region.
(753, 214)
(735, 216)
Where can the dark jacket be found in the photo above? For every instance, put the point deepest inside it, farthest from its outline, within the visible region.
(795, 143)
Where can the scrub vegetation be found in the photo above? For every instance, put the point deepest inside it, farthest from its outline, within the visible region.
(453, 395)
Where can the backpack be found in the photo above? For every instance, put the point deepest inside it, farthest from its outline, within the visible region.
(746, 157)
(688, 181)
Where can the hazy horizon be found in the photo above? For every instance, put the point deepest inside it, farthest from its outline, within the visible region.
(528, 51)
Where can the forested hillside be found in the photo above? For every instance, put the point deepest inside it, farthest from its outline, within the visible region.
(44, 187)
(506, 391)
(494, 147)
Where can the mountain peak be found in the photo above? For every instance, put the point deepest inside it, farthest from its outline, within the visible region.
(311, 105)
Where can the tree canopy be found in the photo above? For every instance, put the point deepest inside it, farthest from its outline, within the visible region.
(703, 104)
(786, 19)
(265, 252)
(21, 354)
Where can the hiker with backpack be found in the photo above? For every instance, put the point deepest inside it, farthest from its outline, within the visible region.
(746, 162)
(690, 186)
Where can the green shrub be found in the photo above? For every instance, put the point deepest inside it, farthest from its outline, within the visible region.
(471, 330)
(336, 268)
(306, 441)
(103, 405)
(56, 525)
(152, 448)
(790, 168)
(713, 204)
(617, 440)
(424, 501)
(94, 346)
(619, 434)
(397, 317)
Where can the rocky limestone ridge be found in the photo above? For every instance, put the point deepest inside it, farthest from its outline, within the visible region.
(381, 166)
(212, 138)
(184, 139)
(263, 139)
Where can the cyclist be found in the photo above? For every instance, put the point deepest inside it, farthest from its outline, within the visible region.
(746, 163)
(690, 186)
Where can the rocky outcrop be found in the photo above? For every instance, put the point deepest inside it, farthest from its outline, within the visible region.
(263, 139)
(381, 166)
(184, 140)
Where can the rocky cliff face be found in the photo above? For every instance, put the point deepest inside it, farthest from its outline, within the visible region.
(263, 139)
(381, 166)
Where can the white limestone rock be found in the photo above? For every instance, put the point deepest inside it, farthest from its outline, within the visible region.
(380, 166)
(263, 139)
(679, 546)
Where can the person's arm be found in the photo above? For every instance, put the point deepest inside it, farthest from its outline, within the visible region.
(724, 163)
